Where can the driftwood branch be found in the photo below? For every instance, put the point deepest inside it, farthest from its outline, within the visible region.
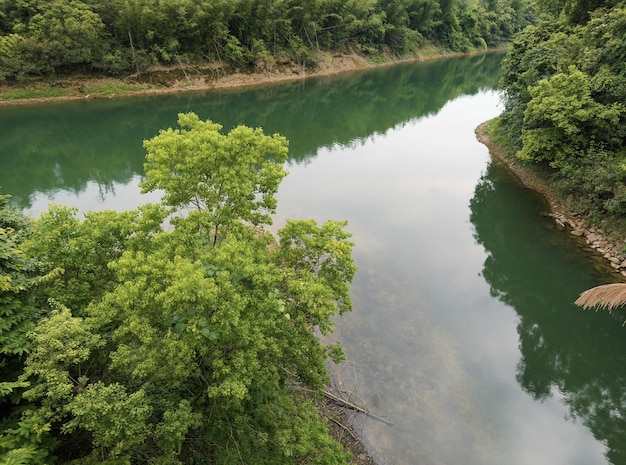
(351, 406)
(344, 427)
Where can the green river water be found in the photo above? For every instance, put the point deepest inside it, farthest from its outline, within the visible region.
(463, 336)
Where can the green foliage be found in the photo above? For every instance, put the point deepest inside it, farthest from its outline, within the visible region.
(598, 180)
(59, 362)
(227, 177)
(605, 44)
(66, 33)
(562, 121)
(320, 254)
(117, 419)
(18, 310)
(11, 59)
(121, 36)
(233, 51)
(76, 253)
(565, 89)
(34, 92)
(537, 53)
(24, 442)
(493, 23)
(166, 347)
(105, 88)
(19, 313)
(574, 11)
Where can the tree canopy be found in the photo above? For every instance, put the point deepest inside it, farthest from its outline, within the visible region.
(162, 345)
(564, 83)
(227, 177)
(123, 36)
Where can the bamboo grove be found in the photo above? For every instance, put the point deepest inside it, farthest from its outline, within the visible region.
(117, 37)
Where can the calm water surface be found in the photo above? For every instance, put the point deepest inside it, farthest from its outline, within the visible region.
(464, 335)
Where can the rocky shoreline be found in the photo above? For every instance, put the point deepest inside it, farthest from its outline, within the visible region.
(596, 239)
(591, 236)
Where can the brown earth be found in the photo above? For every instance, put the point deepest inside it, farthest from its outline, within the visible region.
(343, 432)
(609, 247)
(207, 76)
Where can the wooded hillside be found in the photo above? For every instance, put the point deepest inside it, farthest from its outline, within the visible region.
(43, 37)
(564, 83)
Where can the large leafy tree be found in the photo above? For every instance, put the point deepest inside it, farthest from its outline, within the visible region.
(228, 178)
(191, 344)
(19, 313)
(562, 120)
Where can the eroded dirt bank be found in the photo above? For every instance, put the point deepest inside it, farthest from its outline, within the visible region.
(593, 236)
(207, 76)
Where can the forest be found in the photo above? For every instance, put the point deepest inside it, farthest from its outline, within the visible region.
(40, 38)
(564, 83)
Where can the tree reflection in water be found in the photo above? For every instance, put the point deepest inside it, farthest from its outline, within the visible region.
(63, 147)
(578, 356)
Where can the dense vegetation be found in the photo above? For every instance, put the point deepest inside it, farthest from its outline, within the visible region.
(123, 341)
(565, 102)
(40, 37)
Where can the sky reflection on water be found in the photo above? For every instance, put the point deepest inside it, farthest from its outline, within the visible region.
(427, 345)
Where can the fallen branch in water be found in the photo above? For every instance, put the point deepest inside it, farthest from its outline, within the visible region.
(344, 427)
(351, 406)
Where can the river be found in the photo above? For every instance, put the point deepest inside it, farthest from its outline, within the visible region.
(463, 336)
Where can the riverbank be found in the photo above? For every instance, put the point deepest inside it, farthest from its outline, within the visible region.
(343, 432)
(197, 77)
(607, 246)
